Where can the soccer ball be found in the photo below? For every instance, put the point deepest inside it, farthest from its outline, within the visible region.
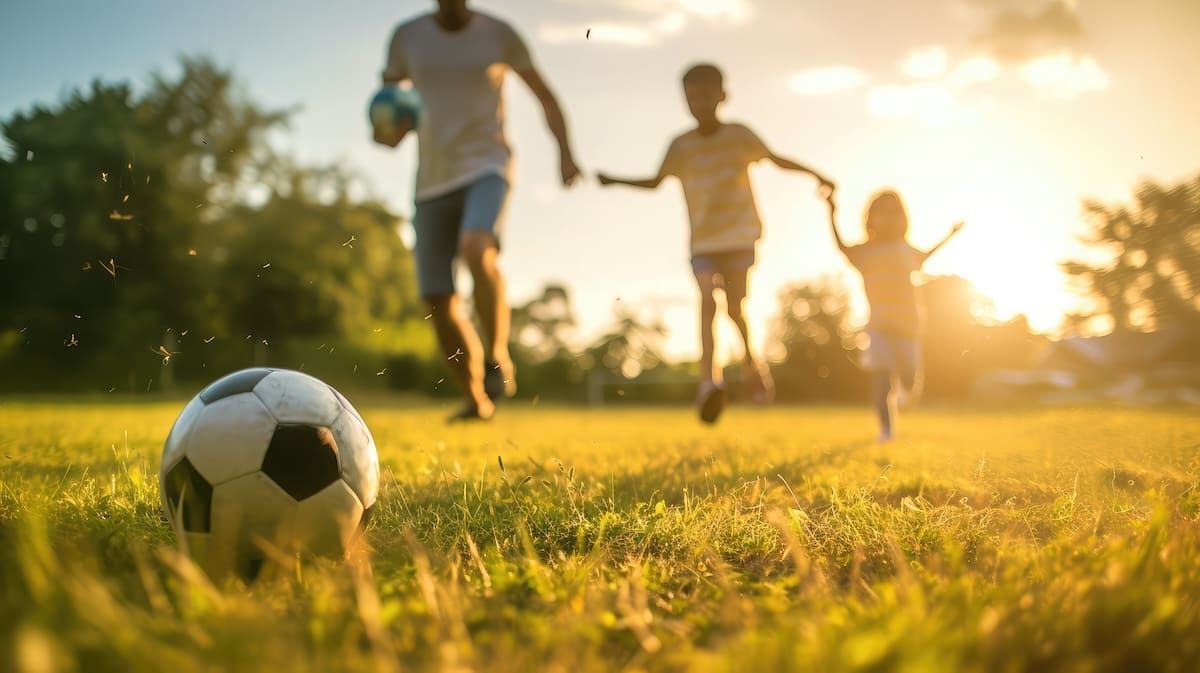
(392, 105)
(264, 464)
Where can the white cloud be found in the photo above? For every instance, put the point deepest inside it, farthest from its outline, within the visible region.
(734, 10)
(827, 80)
(1065, 75)
(973, 70)
(649, 22)
(925, 62)
(927, 101)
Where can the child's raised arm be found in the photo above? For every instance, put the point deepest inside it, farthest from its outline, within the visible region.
(953, 230)
(837, 238)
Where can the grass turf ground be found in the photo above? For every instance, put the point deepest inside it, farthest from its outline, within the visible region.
(558, 539)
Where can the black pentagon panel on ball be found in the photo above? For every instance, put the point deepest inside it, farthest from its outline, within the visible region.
(237, 382)
(302, 459)
(251, 569)
(190, 497)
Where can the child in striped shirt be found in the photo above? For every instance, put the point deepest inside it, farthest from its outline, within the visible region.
(711, 162)
(887, 262)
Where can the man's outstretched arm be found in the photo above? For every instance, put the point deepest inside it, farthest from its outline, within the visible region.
(555, 120)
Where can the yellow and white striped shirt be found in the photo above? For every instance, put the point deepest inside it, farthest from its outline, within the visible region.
(887, 270)
(713, 170)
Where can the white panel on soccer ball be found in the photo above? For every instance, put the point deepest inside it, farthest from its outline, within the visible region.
(347, 406)
(200, 548)
(217, 560)
(177, 439)
(250, 509)
(327, 521)
(220, 559)
(360, 460)
(176, 445)
(194, 544)
(293, 397)
(230, 437)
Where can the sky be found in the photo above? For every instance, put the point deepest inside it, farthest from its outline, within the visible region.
(1004, 114)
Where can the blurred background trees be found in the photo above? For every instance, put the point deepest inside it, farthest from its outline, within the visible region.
(130, 222)
(813, 348)
(1148, 272)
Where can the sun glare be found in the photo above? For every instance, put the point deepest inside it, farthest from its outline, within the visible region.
(1037, 291)
(1017, 233)
(1012, 266)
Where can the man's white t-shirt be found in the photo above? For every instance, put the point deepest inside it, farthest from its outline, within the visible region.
(460, 76)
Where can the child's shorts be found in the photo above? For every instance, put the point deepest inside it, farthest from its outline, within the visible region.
(895, 353)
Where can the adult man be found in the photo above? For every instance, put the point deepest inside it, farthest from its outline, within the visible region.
(457, 59)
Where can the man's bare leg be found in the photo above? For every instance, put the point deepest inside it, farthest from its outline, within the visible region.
(481, 253)
(463, 351)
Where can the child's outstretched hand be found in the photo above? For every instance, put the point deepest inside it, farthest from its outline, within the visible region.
(826, 188)
(957, 227)
(604, 179)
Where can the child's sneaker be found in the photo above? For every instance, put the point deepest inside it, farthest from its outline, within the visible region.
(711, 401)
(760, 387)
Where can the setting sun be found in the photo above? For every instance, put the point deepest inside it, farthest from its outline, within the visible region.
(1019, 227)
(1010, 255)
(1017, 280)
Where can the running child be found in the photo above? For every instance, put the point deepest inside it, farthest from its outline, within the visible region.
(887, 262)
(711, 162)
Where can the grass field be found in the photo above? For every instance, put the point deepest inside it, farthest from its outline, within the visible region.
(781, 540)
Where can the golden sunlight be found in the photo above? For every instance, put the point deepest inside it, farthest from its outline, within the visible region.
(1013, 261)
(1037, 290)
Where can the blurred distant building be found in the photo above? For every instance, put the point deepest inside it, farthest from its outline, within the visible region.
(1126, 366)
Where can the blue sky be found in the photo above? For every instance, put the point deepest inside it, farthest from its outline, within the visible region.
(1004, 113)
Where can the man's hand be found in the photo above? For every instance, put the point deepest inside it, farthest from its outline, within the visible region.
(392, 137)
(604, 179)
(825, 187)
(957, 227)
(555, 120)
(570, 171)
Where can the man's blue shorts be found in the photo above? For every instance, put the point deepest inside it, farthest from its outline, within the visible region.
(440, 221)
(731, 262)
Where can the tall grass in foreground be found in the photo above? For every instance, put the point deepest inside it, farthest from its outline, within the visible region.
(563, 540)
